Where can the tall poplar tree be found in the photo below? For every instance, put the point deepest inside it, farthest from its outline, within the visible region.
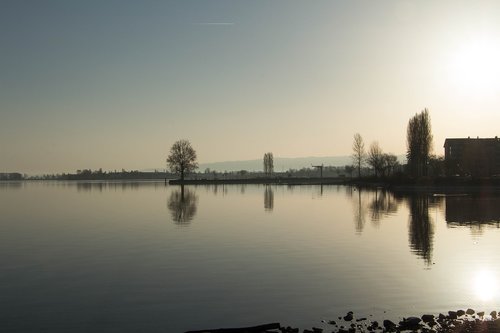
(419, 143)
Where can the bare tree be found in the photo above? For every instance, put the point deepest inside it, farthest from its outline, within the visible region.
(182, 158)
(419, 143)
(268, 163)
(359, 155)
(376, 158)
(390, 163)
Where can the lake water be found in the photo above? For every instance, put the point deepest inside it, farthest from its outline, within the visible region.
(145, 257)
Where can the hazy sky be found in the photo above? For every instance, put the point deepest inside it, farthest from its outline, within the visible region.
(112, 84)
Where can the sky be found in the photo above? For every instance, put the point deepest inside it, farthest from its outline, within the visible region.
(113, 84)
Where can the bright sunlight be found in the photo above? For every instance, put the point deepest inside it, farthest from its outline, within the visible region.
(474, 67)
(485, 285)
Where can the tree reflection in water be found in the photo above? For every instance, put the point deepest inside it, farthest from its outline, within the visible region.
(182, 205)
(421, 228)
(268, 199)
(383, 203)
(359, 211)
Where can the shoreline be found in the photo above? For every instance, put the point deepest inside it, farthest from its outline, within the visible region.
(454, 321)
(262, 181)
(440, 186)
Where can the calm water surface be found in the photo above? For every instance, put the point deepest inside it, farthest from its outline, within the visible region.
(144, 257)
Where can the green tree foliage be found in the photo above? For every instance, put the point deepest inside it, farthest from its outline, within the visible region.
(419, 142)
(182, 158)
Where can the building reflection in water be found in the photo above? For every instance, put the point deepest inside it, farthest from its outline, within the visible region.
(474, 211)
(268, 198)
(182, 204)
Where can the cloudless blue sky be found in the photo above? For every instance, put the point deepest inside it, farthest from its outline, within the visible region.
(113, 84)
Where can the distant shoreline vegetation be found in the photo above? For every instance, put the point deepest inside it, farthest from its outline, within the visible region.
(304, 176)
(207, 174)
(371, 167)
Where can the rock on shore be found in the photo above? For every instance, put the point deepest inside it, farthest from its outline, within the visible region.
(455, 322)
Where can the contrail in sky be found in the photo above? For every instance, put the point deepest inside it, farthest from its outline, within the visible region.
(214, 23)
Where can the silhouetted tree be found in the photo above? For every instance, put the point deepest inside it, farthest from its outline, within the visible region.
(436, 165)
(419, 142)
(182, 158)
(268, 163)
(376, 158)
(390, 163)
(359, 155)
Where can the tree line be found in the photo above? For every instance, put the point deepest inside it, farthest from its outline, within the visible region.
(420, 162)
(182, 157)
(182, 160)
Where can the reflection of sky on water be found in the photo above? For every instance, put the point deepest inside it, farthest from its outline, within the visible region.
(317, 254)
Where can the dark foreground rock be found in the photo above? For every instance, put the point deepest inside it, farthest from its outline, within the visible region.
(252, 329)
(455, 322)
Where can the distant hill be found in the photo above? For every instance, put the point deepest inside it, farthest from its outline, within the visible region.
(280, 163)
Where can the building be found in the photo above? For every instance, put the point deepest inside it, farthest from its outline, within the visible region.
(10, 176)
(478, 157)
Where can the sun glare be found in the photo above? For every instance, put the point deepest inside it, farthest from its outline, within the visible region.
(485, 285)
(475, 68)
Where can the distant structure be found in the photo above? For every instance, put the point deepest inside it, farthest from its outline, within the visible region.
(320, 167)
(10, 176)
(479, 157)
